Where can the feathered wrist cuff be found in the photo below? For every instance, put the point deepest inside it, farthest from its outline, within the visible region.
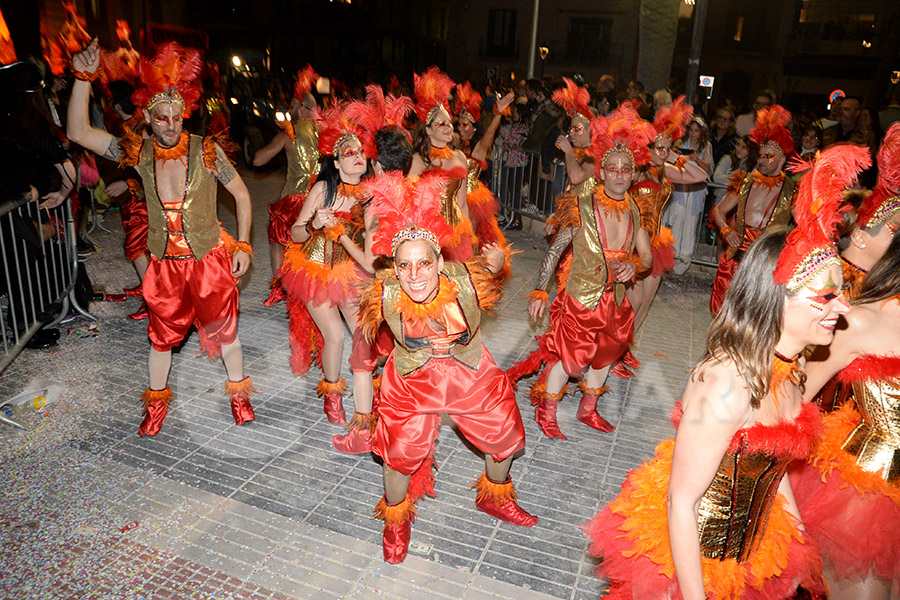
(86, 76)
(239, 246)
(726, 230)
(539, 295)
(503, 113)
(334, 232)
(680, 162)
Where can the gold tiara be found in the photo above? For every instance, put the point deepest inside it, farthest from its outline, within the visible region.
(413, 233)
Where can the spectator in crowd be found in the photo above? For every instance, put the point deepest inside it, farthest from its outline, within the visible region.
(744, 123)
(722, 135)
(633, 90)
(810, 142)
(512, 135)
(741, 160)
(661, 98)
(607, 84)
(849, 129)
(834, 114)
(604, 103)
(683, 211)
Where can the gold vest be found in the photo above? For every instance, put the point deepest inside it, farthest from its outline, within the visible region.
(781, 214)
(468, 353)
(735, 507)
(588, 275)
(302, 158)
(875, 441)
(199, 217)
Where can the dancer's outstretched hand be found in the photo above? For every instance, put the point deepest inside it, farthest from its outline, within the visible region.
(87, 60)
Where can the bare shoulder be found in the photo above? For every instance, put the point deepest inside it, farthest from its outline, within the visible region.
(418, 165)
(717, 390)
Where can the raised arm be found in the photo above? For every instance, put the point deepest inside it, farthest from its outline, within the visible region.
(681, 170)
(575, 171)
(78, 125)
(714, 409)
(483, 147)
(271, 150)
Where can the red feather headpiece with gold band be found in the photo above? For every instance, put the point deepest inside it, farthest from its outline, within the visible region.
(378, 111)
(574, 99)
(884, 201)
(336, 129)
(407, 210)
(306, 79)
(170, 77)
(671, 121)
(817, 210)
(771, 130)
(431, 90)
(468, 103)
(620, 131)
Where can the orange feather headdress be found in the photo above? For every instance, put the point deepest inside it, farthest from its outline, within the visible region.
(574, 100)
(7, 50)
(810, 248)
(337, 129)
(771, 130)
(431, 90)
(620, 131)
(468, 103)
(378, 111)
(170, 77)
(306, 79)
(70, 39)
(670, 121)
(884, 201)
(407, 210)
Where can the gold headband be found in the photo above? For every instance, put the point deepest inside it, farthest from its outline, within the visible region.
(166, 96)
(412, 234)
(432, 114)
(345, 138)
(620, 147)
(812, 264)
(888, 209)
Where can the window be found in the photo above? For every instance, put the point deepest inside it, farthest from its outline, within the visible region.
(588, 39)
(501, 36)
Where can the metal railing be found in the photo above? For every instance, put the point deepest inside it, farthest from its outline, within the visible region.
(530, 191)
(38, 270)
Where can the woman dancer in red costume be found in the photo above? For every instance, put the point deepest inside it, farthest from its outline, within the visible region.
(432, 151)
(476, 145)
(322, 264)
(849, 493)
(729, 526)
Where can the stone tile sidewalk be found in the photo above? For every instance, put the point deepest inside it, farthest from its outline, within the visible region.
(269, 509)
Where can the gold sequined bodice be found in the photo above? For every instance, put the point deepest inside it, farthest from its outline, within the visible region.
(875, 441)
(651, 198)
(472, 175)
(449, 208)
(302, 158)
(734, 510)
(318, 248)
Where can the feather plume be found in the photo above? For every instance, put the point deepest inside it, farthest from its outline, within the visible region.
(173, 69)
(818, 207)
(621, 128)
(306, 79)
(573, 99)
(431, 89)
(770, 126)
(670, 121)
(378, 112)
(7, 51)
(467, 101)
(889, 160)
(334, 123)
(400, 203)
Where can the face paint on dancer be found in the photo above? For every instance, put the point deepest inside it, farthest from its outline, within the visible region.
(618, 174)
(770, 160)
(440, 130)
(812, 315)
(580, 133)
(659, 150)
(466, 129)
(165, 120)
(351, 161)
(418, 270)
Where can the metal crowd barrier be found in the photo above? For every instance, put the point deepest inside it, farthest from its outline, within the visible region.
(530, 191)
(37, 276)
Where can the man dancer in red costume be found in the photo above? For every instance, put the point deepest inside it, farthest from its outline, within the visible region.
(439, 364)
(192, 275)
(591, 320)
(762, 198)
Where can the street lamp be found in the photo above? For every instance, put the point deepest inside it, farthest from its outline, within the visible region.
(236, 61)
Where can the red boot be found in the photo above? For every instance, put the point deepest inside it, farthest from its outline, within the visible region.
(398, 519)
(135, 292)
(499, 500)
(587, 409)
(140, 314)
(358, 439)
(333, 394)
(545, 409)
(156, 407)
(630, 360)
(276, 293)
(240, 392)
(620, 371)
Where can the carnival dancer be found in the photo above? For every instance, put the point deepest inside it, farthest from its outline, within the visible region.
(382, 117)
(191, 278)
(476, 143)
(591, 320)
(762, 199)
(651, 192)
(729, 526)
(431, 142)
(299, 140)
(849, 492)
(439, 364)
(319, 272)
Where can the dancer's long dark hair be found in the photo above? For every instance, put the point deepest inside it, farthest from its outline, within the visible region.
(883, 280)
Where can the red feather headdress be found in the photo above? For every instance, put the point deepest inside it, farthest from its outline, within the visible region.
(378, 112)
(770, 129)
(817, 210)
(7, 50)
(574, 100)
(70, 39)
(468, 103)
(431, 90)
(306, 79)
(884, 201)
(620, 131)
(336, 129)
(670, 121)
(407, 210)
(170, 77)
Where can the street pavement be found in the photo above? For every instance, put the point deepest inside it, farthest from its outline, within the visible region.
(269, 510)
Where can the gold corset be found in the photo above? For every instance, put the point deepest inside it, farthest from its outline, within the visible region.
(318, 248)
(735, 508)
(472, 175)
(651, 201)
(875, 441)
(449, 208)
